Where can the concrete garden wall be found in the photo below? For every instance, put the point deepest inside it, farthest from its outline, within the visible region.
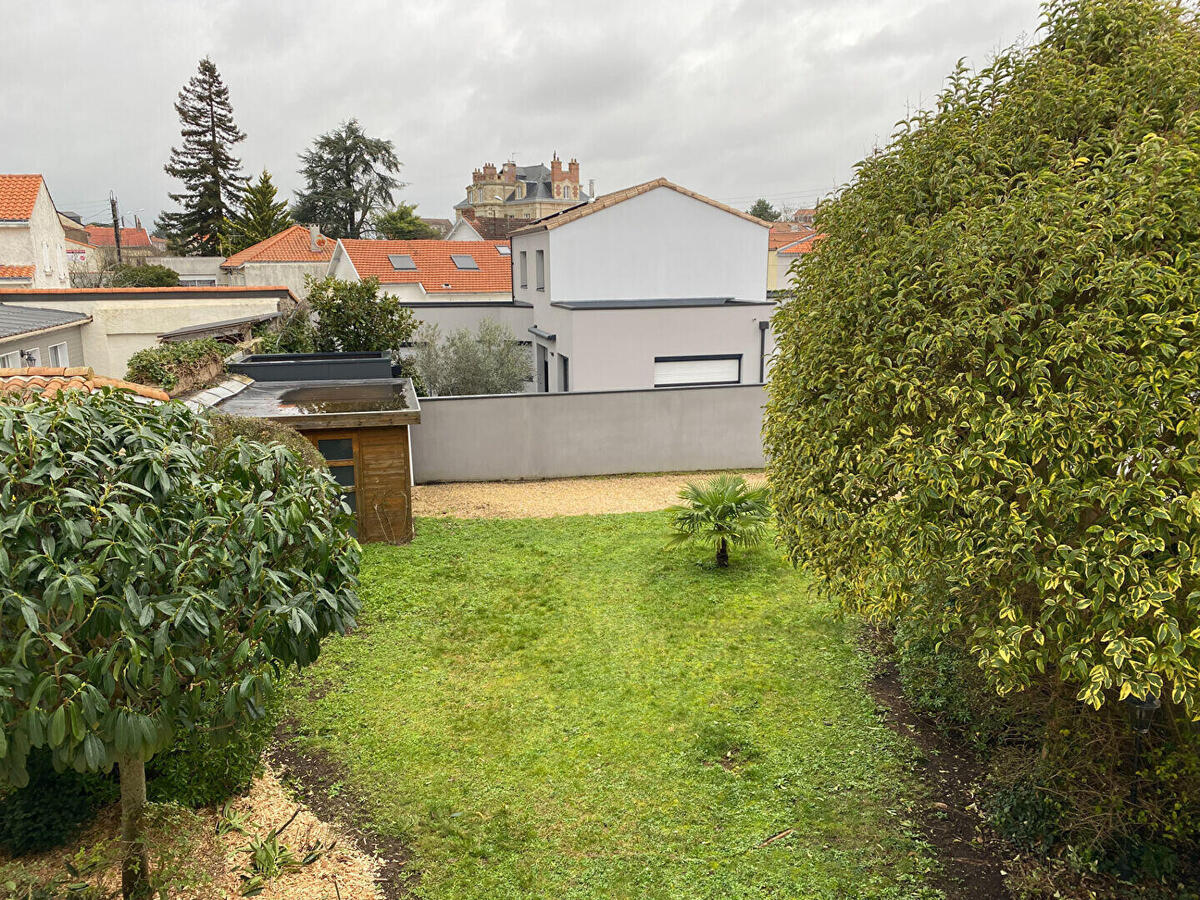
(526, 436)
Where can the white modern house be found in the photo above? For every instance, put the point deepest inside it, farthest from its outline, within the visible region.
(651, 286)
(33, 244)
(452, 284)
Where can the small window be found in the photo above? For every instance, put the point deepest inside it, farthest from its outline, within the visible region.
(504, 251)
(685, 371)
(10, 360)
(336, 449)
(46, 257)
(464, 261)
(402, 262)
(524, 269)
(59, 355)
(541, 270)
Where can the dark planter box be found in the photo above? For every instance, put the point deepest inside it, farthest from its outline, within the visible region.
(313, 366)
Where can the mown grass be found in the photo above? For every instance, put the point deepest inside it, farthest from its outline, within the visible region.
(561, 708)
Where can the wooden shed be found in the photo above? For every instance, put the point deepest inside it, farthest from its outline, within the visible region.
(361, 428)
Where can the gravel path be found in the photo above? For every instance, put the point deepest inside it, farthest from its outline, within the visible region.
(555, 497)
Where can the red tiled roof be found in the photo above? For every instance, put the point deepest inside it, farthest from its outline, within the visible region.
(435, 270)
(102, 236)
(784, 233)
(47, 381)
(803, 245)
(17, 271)
(183, 289)
(290, 245)
(18, 193)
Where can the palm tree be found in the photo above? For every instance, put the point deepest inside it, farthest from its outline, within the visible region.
(721, 511)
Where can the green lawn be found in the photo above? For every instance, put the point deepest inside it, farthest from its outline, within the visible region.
(561, 708)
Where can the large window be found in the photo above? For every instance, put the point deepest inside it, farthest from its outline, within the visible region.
(540, 264)
(681, 371)
(10, 360)
(59, 355)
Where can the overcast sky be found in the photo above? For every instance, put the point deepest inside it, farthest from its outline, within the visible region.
(735, 100)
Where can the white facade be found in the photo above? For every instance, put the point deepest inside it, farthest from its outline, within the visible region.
(40, 242)
(661, 288)
(127, 320)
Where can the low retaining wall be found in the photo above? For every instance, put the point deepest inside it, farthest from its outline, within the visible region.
(526, 436)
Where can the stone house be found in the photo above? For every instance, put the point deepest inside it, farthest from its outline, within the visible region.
(33, 250)
(521, 192)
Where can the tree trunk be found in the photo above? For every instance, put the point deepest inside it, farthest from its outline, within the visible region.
(135, 870)
(723, 554)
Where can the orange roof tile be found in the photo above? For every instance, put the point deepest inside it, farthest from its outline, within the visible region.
(290, 245)
(784, 233)
(47, 381)
(182, 289)
(102, 236)
(435, 270)
(18, 194)
(803, 245)
(554, 220)
(22, 272)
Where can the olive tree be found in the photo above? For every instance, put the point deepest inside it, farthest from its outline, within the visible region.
(983, 413)
(152, 580)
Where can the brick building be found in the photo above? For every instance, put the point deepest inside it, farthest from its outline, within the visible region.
(521, 192)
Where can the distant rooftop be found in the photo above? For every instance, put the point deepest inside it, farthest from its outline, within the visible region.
(657, 303)
(16, 320)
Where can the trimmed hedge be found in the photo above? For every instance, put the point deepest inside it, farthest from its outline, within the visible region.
(168, 364)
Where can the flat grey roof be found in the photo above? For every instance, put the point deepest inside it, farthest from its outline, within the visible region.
(222, 325)
(663, 303)
(310, 405)
(17, 320)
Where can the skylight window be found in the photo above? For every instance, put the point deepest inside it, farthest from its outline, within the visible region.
(402, 262)
(464, 261)
(504, 251)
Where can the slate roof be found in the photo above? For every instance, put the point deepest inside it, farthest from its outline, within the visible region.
(606, 200)
(18, 194)
(290, 245)
(47, 381)
(435, 270)
(15, 320)
(537, 187)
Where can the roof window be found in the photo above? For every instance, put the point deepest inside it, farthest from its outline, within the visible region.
(402, 262)
(504, 250)
(464, 261)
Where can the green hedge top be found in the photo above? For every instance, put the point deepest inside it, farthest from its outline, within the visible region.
(983, 413)
(168, 364)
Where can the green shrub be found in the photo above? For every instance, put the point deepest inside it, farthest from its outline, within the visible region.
(144, 276)
(1027, 814)
(50, 810)
(226, 428)
(205, 767)
(168, 364)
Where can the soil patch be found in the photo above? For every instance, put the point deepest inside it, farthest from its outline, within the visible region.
(971, 856)
(556, 496)
(320, 782)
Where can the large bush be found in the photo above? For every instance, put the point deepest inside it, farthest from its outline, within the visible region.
(154, 582)
(983, 411)
(488, 360)
(982, 419)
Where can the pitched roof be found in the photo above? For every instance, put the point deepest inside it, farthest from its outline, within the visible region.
(16, 320)
(257, 290)
(435, 270)
(18, 194)
(606, 200)
(102, 236)
(23, 273)
(805, 244)
(784, 233)
(47, 381)
(290, 245)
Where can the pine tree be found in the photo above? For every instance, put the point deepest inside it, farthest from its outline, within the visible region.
(764, 210)
(262, 215)
(211, 174)
(348, 178)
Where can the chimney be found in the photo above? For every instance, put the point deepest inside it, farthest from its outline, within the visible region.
(556, 173)
(314, 236)
(592, 188)
(573, 171)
